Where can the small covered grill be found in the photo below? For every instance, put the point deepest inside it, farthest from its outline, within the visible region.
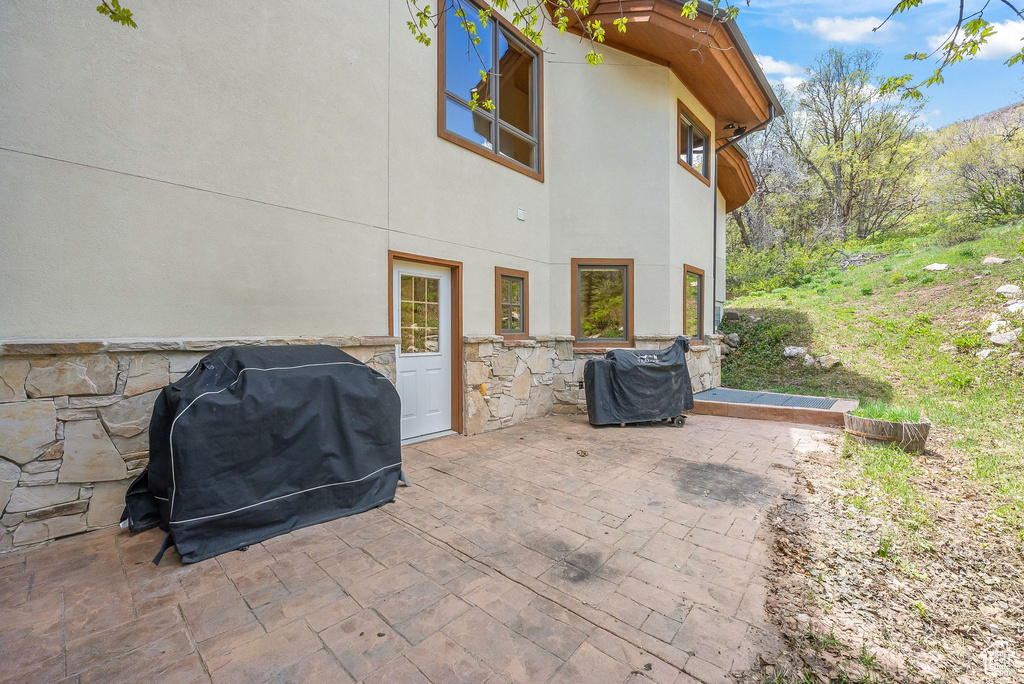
(257, 441)
(634, 386)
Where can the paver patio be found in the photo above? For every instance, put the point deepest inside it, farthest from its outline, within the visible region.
(551, 551)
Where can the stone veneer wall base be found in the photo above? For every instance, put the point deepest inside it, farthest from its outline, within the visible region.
(74, 422)
(510, 381)
(74, 414)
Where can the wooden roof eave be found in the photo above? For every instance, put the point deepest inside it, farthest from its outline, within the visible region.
(713, 69)
(735, 179)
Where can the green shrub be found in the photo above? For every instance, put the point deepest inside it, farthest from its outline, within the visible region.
(955, 230)
(927, 280)
(867, 290)
(968, 341)
(882, 411)
(958, 380)
(786, 266)
(897, 279)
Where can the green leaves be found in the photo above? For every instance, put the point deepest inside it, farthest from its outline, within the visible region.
(420, 22)
(116, 13)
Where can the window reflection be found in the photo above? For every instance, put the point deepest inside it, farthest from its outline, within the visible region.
(515, 83)
(602, 299)
(463, 60)
(475, 126)
(693, 297)
(420, 314)
(514, 147)
(511, 68)
(511, 304)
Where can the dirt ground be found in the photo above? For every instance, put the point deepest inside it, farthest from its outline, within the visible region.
(852, 609)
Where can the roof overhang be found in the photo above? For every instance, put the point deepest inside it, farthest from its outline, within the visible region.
(711, 58)
(734, 177)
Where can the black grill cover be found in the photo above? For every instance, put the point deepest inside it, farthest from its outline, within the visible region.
(632, 386)
(257, 441)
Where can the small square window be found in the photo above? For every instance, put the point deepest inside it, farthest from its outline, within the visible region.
(511, 303)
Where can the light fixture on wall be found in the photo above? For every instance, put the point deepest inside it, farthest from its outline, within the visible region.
(729, 126)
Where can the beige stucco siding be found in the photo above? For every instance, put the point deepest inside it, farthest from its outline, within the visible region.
(242, 169)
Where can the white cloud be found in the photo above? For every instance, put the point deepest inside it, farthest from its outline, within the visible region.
(790, 83)
(843, 30)
(770, 65)
(1004, 42)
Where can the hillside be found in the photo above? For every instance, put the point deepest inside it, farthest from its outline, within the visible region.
(908, 566)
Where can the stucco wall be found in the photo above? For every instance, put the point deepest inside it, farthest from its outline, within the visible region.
(242, 169)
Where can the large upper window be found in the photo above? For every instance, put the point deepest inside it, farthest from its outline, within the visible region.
(602, 301)
(490, 89)
(693, 302)
(693, 145)
(511, 303)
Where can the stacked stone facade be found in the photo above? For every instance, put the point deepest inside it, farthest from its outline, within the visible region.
(74, 423)
(509, 381)
(74, 415)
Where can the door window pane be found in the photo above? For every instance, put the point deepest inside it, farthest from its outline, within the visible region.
(602, 297)
(420, 314)
(693, 297)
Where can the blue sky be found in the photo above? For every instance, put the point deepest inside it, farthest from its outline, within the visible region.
(787, 34)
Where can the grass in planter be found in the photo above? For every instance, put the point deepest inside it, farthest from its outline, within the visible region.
(881, 411)
(912, 342)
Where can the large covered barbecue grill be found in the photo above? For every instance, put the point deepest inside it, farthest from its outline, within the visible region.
(257, 441)
(634, 386)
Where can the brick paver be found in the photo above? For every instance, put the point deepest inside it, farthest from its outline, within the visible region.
(551, 551)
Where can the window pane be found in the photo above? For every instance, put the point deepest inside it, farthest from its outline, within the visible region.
(504, 290)
(506, 317)
(514, 296)
(692, 311)
(602, 299)
(699, 143)
(419, 314)
(514, 147)
(684, 141)
(515, 85)
(516, 318)
(474, 126)
(464, 60)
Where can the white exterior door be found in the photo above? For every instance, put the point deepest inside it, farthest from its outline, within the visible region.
(423, 322)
